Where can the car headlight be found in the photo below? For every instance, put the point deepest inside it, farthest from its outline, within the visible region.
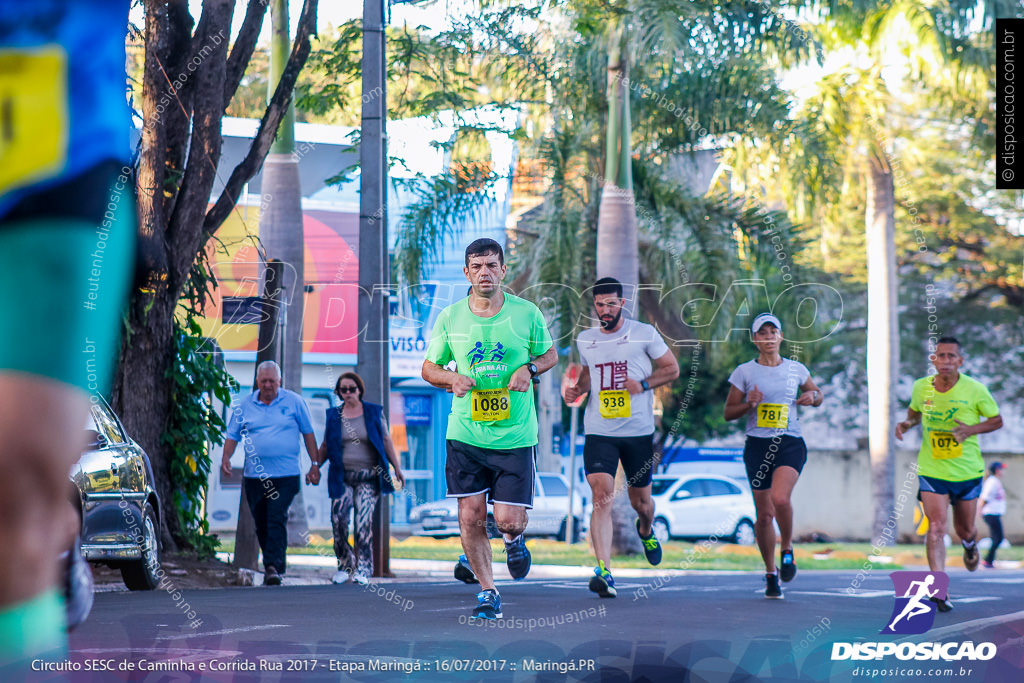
(414, 515)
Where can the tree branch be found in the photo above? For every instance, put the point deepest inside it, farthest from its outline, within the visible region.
(245, 43)
(268, 124)
(205, 147)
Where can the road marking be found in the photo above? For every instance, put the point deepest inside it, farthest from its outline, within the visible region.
(843, 594)
(222, 632)
(973, 625)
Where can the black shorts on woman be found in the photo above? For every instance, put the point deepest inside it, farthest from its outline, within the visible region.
(763, 455)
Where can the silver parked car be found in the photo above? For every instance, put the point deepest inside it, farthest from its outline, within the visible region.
(117, 500)
(694, 505)
(547, 518)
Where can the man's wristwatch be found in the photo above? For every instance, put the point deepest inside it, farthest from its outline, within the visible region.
(316, 465)
(646, 385)
(532, 368)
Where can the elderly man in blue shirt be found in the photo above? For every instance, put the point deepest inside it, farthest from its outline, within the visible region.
(269, 422)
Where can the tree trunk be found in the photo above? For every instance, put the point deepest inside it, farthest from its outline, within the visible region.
(883, 338)
(182, 108)
(281, 232)
(618, 244)
(141, 395)
(617, 238)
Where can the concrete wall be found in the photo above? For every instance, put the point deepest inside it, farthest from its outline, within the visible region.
(833, 496)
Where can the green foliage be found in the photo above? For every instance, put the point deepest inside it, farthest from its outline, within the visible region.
(193, 425)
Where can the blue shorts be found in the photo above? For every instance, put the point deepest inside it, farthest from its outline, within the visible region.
(956, 490)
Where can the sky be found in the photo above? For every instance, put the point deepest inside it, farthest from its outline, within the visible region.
(329, 12)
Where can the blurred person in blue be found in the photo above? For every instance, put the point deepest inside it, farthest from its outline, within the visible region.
(67, 234)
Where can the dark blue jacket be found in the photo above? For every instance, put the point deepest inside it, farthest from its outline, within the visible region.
(373, 414)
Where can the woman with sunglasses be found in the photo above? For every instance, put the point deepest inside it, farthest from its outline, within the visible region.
(358, 446)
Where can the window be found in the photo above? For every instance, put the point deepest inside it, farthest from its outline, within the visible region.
(554, 486)
(108, 426)
(691, 489)
(716, 487)
(659, 486)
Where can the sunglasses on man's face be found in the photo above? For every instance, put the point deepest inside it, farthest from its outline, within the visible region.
(347, 390)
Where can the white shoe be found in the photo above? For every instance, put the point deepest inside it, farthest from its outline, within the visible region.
(340, 577)
(360, 579)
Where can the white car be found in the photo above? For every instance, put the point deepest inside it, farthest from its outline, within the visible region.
(697, 505)
(547, 518)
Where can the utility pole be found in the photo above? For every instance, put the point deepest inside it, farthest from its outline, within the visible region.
(374, 269)
(281, 234)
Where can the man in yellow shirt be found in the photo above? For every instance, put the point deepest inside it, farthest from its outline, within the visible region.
(950, 406)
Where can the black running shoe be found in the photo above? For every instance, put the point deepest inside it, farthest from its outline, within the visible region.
(488, 605)
(517, 557)
(772, 590)
(943, 604)
(652, 549)
(602, 582)
(971, 557)
(787, 570)
(463, 572)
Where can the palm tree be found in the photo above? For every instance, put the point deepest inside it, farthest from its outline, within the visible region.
(851, 132)
(281, 233)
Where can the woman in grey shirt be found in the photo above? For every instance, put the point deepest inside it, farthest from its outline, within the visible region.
(358, 446)
(766, 391)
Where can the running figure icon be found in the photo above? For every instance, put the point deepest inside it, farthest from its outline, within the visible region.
(917, 592)
(917, 595)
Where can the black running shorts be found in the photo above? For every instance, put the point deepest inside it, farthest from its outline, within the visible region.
(636, 453)
(761, 455)
(507, 476)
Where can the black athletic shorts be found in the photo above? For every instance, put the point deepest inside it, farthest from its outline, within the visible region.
(761, 455)
(636, 453)
(956, 490)
(507, 476)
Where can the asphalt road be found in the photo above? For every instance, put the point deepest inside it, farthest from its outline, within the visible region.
(697, 627)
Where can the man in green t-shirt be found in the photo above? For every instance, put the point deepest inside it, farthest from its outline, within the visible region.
(950, 407)
(499, 343)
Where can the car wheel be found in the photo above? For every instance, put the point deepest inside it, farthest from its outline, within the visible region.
(575, 531)
(661, 530)
(744, 533)
(141, 575)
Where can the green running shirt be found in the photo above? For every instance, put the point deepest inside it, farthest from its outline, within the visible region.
(968, 401)
(489, 350)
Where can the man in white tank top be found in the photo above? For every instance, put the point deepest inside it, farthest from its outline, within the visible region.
(623, 361)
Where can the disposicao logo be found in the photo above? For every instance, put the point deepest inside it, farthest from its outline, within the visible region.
(914, 611)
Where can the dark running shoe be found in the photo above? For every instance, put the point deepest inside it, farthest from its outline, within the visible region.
(488, 605)
(787, 570)
(971, 556)
(772, 589)
(652, 549)
(463, 572)
(602, 582)
(271, 577)
(943, 604)
(517, 557)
